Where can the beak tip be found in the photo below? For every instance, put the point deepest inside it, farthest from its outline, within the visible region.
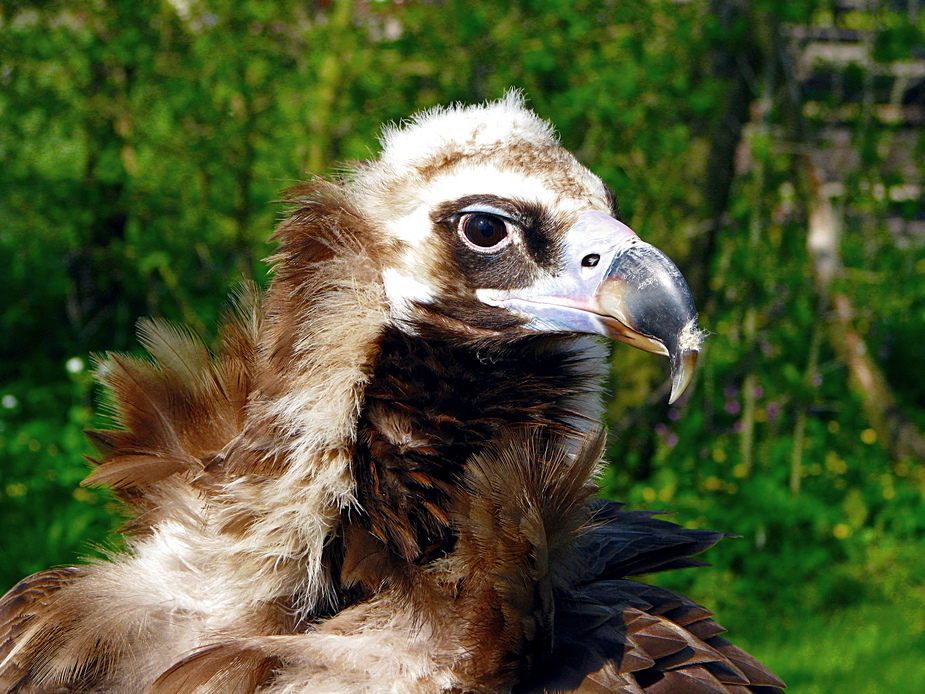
(679, 382)
(684, 361)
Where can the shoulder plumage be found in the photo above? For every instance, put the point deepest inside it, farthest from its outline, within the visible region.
(614, 634)
(175, 412)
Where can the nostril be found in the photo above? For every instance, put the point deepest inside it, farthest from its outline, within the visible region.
(590, 260)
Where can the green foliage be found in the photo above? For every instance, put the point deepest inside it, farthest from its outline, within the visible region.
(869, 648)
(47, 518)
(143, 142)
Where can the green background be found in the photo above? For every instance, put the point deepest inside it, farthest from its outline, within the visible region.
(142, 145)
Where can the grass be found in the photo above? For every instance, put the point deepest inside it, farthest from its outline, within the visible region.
(863, 649)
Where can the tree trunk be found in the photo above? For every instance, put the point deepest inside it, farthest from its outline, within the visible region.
(900, 437)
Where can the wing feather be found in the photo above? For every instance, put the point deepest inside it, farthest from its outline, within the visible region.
(25, 602)
(615, 634)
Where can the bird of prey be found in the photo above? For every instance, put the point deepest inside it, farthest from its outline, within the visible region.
(381, 478)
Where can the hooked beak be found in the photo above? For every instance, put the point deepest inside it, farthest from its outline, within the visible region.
(614, 284)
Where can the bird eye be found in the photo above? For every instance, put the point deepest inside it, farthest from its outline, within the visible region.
(482, 230)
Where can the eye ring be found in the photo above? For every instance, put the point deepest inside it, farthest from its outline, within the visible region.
(483, 231)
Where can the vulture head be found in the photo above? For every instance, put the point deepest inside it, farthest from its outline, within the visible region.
(381, 478)
(499, 232)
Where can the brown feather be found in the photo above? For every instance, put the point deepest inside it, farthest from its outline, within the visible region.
(522, 502)
(177, 411)
(25, 602)
(225, 668)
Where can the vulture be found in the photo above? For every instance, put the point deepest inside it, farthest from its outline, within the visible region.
(381, 478)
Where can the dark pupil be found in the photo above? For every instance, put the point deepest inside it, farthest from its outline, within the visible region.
(484, 230)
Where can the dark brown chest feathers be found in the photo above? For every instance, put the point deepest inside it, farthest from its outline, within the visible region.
(429, 407)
